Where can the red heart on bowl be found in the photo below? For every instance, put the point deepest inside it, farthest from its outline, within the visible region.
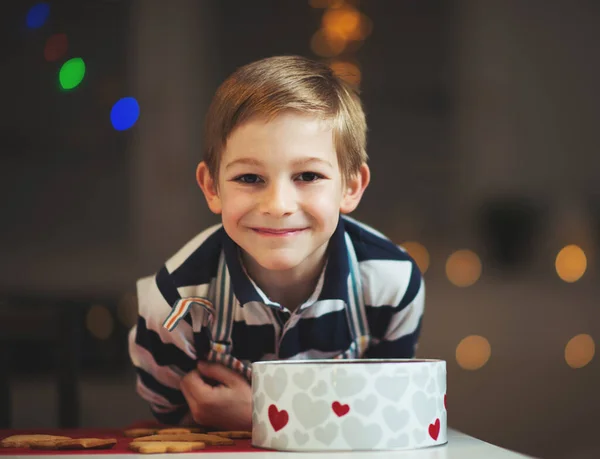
(339, 409)
(278, 419)
(434, 429)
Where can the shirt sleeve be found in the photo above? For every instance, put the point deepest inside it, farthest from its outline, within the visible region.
(403, 326)
(161, 358)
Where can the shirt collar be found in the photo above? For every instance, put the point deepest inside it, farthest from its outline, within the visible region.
(243, 287)
(332, 284)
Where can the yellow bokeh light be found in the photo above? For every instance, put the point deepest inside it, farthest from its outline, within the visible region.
(99, 322)
(325, 45)
(419, 253)
(473, 352)
(580, 351)
(346, 23)
(571, 263)
(463, 268)
(347, 71)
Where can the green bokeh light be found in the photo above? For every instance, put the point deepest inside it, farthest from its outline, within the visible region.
(71, 73)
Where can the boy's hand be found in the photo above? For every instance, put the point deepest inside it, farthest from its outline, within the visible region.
(228, 406)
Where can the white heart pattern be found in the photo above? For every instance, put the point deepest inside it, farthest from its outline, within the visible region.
(347, 385)
(424, 408)
(421, 377)
(259, 402)
(441, 380)
(366, 406)
(259, 432)
(392, 387)
(301, 437)
(255, 382)
(275, 385)
(309, 413)
(419, 435)
(375, 368)
(319, 389)
(305, 379)
(431, 386)
(280, 442)
(326, 434)
(359, 436)
(395, 419)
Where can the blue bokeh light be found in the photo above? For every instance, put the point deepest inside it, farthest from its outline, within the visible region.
(124, 113)
(37, 15)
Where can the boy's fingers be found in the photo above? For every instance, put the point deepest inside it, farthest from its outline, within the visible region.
(192, 384)
(219, 373)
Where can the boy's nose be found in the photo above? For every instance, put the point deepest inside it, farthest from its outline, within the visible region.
(278, 200)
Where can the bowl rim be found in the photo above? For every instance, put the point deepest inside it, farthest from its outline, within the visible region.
(334, 362)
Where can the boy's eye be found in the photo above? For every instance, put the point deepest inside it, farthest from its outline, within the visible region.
(248, 178)
(309, 176)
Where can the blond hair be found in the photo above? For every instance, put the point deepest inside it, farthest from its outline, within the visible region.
(273, 85)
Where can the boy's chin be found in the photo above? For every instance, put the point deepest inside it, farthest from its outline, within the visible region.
(276, 263)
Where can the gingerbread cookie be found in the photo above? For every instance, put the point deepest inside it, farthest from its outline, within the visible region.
(87, 443)
(141, 432)
(155, 447)
(212, 440)
(180, 430)
(233, 434)
(27, 441)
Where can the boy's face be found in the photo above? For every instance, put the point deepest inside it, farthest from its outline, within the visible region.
(280, 190)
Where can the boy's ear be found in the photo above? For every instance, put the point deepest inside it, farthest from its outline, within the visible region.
(354, 189)
(208, 187)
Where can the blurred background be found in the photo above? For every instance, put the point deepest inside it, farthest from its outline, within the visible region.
(483, 145)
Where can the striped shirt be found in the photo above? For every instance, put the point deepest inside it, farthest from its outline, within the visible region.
(201, 305)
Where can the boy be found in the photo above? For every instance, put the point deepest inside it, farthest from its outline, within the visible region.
(284, 276)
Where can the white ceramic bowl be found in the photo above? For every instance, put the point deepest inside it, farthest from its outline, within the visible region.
(343, 405)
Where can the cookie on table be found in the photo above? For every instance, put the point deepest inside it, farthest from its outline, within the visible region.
(75, 443)
(157, 447)
(179, 430)
(28, 440)
(140, 432)
(145, 431)
(45, 444)
(87, 443)
(237, 434)
(212, 440)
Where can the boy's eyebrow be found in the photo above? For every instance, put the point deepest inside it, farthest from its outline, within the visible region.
(247, 161)
(311, 160)
(255, 162)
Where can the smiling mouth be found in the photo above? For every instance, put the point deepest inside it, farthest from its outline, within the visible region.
(278, 232)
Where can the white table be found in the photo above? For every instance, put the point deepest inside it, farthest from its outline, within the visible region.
(459, 446)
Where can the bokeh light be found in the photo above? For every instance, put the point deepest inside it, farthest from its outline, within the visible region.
(37, 15)
(473, 352)
(580, 351)
(124, 113)
(325, 45)
(571, 263)
(99, 322)
(347, 71)
(419, 253)
(56, 47)
(463, 268)
(71, 73)
(347, 23)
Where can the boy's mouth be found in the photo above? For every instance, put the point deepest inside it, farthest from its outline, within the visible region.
(281, 232)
